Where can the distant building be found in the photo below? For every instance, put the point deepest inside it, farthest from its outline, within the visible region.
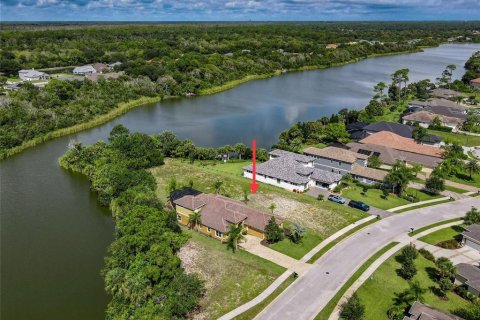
(469, 276)
(115, 64)
(436, 102)
(84, 70)
(331, 46)
(32, 75)
(475, 83)
(426, 118)
(400, 129)
(420, 311)
(471, 236)
(99, 67)
(445, 93)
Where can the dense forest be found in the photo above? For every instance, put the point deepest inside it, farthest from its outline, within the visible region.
(179, 59)
(472, 67)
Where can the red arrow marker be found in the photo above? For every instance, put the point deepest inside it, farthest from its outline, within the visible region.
(254, 184)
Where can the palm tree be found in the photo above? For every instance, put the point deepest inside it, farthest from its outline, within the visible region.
(380, 87)
(194, 219)
(297, 233)
(417, 291)
(217, 185)
(472, 167)
(272, 207)
(235, 236)
(446, 269)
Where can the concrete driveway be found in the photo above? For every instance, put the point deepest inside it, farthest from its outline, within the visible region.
(311, 292)
(314, 192)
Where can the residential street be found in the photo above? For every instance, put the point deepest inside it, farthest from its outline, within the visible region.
(311, 292)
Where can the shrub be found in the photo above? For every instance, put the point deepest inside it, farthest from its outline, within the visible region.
(320, 197)
(409, 253)
(427, 254)
(353, 309)
(449, 244)
(408, 270)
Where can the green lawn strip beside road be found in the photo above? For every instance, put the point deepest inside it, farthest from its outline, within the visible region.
(445, 234)
(422, 206)
(232, 279)
(448, 188)
(340, 238)
(462, 139)
(253, 312)
(373, 197)
(430, 226)
(297, 250)
(330, 307)
(378, 292)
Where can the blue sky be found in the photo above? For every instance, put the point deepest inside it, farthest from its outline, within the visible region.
(237, 10)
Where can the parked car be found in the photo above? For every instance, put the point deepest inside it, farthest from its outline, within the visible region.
(359, 205)
(336, 199)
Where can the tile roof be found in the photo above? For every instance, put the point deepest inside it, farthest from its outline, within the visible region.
(427, 117)
(219, 212)
(370, 173)
(471, 273)
(335, 154)
(325, 176)
(445, 93)
(291, 155)
(398, 128)
(420, 311)
(472, 232)
(477, 80)
(394, 141)
(191, 201)
(437, 102)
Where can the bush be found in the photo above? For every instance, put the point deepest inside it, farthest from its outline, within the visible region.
(408, 270)
(409, 253)
(427, 254)
(440, 128)
(353, 309)
(320, 197)
(449, 244)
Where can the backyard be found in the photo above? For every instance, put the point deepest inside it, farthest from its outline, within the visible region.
(319, 218)
(378, 292)
(374, 197)
(231, 279)
(462, 139)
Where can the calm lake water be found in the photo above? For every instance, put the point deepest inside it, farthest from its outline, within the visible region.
(53, 233)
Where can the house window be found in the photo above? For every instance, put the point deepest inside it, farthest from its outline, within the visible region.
(331, 161)
(209, 229)
(278, 180)
(179, 217)
(218, 233)
(339, 164)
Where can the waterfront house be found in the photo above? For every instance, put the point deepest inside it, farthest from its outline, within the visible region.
(390, 148)
(471, 236)
(400, 129)
(32, 75)
(435, 102)
(425, 119)
(469, 276)
(445, 93)
(420, 311)
(218, 213)
(84, 70)
(292, 171)
(475, 83)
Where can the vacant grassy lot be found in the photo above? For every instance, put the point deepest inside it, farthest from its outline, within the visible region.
(231, 279)
(449, 233)
(378, 291)
(462, 139)
(321, 217)
(373, 197)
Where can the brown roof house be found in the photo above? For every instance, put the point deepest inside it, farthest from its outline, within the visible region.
(344, 161)
(425, 119)
(218, 213)
(469, 276)
(391, 147)
(475, 83)
(420, 311)
(445, 93)
(99, 67)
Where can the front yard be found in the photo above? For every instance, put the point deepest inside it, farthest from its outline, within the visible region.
(320, 218)
(374, 197)
(231, 279)
(378, 292)
(443, 236)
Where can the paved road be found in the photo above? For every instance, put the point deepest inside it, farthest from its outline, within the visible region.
(311, 292)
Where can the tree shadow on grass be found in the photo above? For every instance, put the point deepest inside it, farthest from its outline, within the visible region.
(432, 273)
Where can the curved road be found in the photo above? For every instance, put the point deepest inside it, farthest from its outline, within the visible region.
(307, 296)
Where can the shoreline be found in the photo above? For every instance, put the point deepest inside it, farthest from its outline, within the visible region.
(124, 107)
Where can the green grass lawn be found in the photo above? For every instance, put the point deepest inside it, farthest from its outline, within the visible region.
(379, 290)
(449, 233)
(328, 309)
(430, 226)
(462, 139)
(448, 188)
(373, 197)
(321, 217)
(231, 279)
(298, 250)
(423, 206)
(464, 178)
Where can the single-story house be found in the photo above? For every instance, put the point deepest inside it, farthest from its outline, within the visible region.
(335, 159)
(401, 130)
(420, 311)
(475, 83)
(99, 67)
(468, 275)
(390, 148)
(445, 93)
(425, 119)
(292, 171)
(471, 236)
(435, 102)
(32, 75)
(88, 69)
(368, 175)
(218, 213)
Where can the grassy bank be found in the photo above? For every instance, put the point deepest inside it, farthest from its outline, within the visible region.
(423, 206)
(99, 120)
(445, 234)
(378, 292)
(232, 84)
(328, 309)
